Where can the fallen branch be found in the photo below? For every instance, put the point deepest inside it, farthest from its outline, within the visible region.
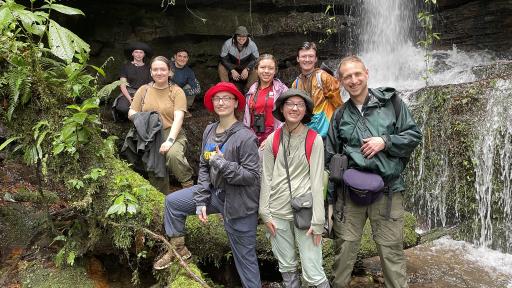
(169, 247)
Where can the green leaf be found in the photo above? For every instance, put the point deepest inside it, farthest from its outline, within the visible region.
(6, 142)
(71, 258)
(63, 9)
(119, 200)
(130, 197)
(60, 238)
(74, 107)
(99, 70)
(59, 42)
(112, 209)
(79, 117)
(5, 17)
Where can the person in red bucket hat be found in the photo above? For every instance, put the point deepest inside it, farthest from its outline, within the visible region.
(223, 87)
(228, 183)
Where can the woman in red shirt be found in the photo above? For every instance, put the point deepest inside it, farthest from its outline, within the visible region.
(261, 97)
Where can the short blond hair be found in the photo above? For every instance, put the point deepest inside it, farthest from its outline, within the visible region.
(350, 59)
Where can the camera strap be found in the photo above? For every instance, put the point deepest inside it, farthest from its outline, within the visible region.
(255, 100)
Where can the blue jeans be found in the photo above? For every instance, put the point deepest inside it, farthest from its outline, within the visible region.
(241, 232)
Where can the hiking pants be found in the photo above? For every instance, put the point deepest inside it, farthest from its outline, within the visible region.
(225, 76)
(283, 247)
(387, 233)
(241, 232)
(175, 161)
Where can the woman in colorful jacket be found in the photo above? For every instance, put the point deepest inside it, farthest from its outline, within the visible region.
(261, 97)
(227, 183)
(289, 175)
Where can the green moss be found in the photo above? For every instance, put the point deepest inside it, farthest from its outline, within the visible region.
(38, 275)
(183, 279)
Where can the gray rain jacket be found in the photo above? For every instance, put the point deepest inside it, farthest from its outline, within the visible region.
(238, 172)
(143, 143)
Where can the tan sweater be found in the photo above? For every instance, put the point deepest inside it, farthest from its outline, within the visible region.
(304, 177)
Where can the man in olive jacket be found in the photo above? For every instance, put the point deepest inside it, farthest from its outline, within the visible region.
(377, 133)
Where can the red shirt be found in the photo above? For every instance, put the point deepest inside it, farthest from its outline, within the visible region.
(262, 107)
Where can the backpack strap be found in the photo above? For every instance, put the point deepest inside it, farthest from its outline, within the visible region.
(275, 141)
(310, 140)
(397, 102)
(296, 82)
(319, 79)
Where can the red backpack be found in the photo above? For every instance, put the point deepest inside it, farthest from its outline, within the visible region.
(310, 139)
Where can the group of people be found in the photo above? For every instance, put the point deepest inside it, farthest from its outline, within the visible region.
(271, 162)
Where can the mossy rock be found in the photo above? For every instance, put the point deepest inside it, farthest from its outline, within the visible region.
(38, 275)
(209, 241)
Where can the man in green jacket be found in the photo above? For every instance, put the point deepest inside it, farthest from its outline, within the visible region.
(377, 133)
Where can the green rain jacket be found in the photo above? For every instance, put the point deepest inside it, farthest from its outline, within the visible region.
(399, 131)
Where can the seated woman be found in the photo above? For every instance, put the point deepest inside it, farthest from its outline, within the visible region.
(290, 173)
(261, 97)
(133, 75)
(228, 184)
(184, 76)
(169, 101)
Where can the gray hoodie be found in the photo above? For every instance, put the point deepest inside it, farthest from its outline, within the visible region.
(237, 173)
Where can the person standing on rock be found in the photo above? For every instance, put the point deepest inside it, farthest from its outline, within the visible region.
(238, 58)
(292, 175)
(228, 183)
(323, 88)
(376, 133)
(184, 76)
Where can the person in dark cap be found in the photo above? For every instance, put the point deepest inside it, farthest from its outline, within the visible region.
(237, 59)
(228, 183)
(134, 74)
(293, 173)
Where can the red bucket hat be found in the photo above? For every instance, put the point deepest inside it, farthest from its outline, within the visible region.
(223, 87)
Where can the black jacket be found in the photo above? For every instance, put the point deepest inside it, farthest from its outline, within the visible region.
(142, 143)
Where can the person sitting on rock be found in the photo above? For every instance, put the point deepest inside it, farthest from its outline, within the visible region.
(168, 99)
(237, 59)
(184, 76)
(133, 75)
(228, 183)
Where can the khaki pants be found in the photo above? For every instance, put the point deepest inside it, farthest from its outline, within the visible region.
(283, 246)
(387, 233)
(225, 76)
(175, 161)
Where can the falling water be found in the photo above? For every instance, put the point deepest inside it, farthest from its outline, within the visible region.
(493, 155)
(385, 41)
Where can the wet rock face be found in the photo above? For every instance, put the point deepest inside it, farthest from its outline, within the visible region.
(474, 25)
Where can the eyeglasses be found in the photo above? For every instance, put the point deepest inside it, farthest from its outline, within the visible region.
(291, 105)
(223, 99)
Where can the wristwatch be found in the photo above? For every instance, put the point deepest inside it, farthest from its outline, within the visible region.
(170, 140)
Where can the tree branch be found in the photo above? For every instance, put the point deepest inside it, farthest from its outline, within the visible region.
(169, 246)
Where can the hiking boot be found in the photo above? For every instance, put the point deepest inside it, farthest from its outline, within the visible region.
(166, 259)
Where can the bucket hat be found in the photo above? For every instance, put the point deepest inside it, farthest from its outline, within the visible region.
(242, 31)
(223, 87)
(289, 93)
(148, 52)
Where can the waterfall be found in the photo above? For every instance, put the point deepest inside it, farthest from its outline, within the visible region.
(493, 155)
(386, 44)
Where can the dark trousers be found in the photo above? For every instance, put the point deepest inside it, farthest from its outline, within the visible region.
(242, 237)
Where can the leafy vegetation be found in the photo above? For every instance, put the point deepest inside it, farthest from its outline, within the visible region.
(425, 17)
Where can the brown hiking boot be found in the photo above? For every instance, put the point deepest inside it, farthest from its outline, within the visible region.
(167, 258)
